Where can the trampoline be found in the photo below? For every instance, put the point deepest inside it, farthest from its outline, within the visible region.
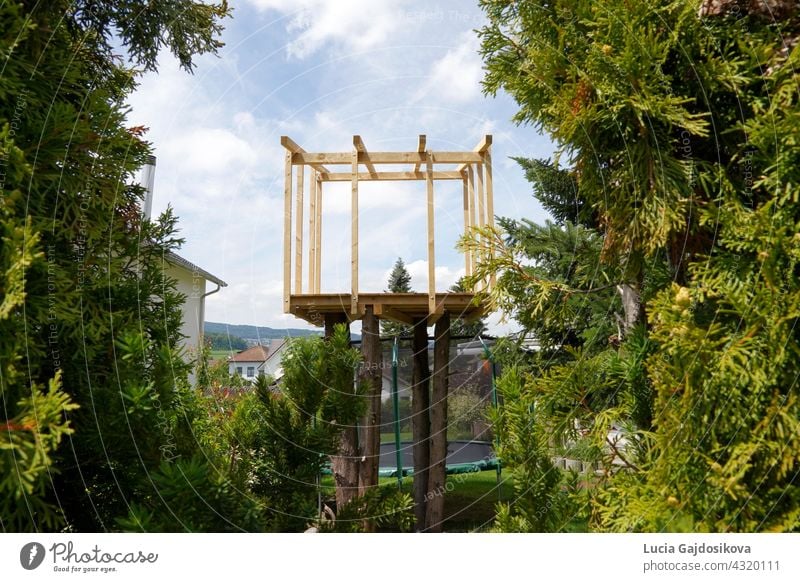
(463, 456)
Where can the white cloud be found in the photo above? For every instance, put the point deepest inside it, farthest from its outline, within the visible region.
(353, 24)
(445, 276)
(211, 151)
(457, 75)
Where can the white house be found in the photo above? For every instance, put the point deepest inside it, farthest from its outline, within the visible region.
(192, 281)
(259, 361)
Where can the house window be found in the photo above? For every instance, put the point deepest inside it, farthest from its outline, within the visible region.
(251, 371)
(238, 370)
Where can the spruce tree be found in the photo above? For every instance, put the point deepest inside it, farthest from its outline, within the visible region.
(399, 282)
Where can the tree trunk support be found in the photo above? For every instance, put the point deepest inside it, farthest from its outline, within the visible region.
(370, 373)
(345, 465)
(437, 475)
(420, 423)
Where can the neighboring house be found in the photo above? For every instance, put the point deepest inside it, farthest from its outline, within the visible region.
(259, 361)
(192, 281)
(273, 366)
(247, 363)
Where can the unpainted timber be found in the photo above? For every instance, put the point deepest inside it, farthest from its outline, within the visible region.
(398, 307)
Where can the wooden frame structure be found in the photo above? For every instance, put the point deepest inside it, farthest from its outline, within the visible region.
(473, 168)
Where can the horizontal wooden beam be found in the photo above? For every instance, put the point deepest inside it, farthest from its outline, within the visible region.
(293, 147)
(290, 144)
(484, 144)
(342, 158)
(366, 177)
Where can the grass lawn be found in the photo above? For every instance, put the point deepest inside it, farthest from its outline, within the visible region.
(469, 504)
(221, 354)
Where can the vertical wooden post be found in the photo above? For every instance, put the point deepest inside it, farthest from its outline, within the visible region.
(345, 464)
(287, 232)
(479, 193)
(298, 251)
(420, 421)
(467, 226)
(437, 473)
(354, 235)
(474, 220)
(318, 268)
(371, 374)
(487, 164)
(431, 253)
(312, 231)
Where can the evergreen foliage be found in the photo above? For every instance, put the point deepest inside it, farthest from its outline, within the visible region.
(87, 311)
(678, 129)
(399, 282)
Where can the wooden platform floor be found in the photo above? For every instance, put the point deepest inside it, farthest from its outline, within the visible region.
(398, 307)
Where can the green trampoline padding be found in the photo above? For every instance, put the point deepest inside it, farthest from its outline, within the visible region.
(463, 456)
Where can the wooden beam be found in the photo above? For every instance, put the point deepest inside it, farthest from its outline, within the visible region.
(354, 234)
(318, 268)
(420, 148)
(487, 164)
(358, 143)
(395, 315)
(389, 176)
(312, 231)
(467, 225)
(298, 250)
(484, 144)
(472, 210)
(343, 158)
(431, 254)
(479, 193)
(292, 146)
(287, 232)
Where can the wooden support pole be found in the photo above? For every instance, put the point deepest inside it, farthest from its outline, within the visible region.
(431, 250)
(467, 225)
(420, 421)
(354, 235)
(287, 233)
(487, 164)
(372, 376)
(472, 213)
(479, 193)
(437, 474)
(298, 250)
(312, 232)
(345, 464)
(318, 268)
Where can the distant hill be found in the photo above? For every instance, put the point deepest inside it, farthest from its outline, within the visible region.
(253, 332)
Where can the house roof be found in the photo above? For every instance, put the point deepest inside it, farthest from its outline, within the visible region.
(275, 347)
(179, 261)
(254, 354)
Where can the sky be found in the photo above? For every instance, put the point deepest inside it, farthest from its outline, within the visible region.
(321, 71)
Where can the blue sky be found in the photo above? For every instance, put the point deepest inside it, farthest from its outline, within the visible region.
(321, 71)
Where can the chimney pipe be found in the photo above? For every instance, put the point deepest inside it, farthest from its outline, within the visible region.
(148, 179)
